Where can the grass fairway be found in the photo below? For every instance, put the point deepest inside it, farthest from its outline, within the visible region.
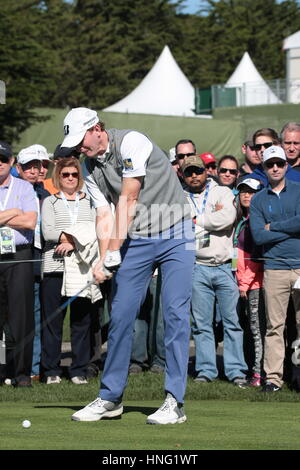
(220, 417)
(220, 425)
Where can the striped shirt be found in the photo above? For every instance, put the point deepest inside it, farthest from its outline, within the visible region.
(55, 220)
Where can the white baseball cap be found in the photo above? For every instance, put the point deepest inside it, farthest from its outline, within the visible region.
(76, 123)
(251, 182)
(34, 152)
(275, 151)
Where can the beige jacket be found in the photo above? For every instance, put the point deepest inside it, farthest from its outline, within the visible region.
(78, 267)
(214, 228)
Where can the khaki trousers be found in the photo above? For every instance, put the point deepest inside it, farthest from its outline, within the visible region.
(278, 286)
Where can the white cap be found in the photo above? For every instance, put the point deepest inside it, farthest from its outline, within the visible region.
(275, 151)
(172, 154)
(76, 123)
(34, 152)
(251, 182)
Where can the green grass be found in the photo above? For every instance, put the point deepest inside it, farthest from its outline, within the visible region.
(220, 416)
(211, 425)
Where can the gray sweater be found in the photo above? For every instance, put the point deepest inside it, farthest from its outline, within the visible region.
(161, 202)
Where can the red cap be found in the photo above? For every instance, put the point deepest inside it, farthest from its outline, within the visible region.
(208, 158)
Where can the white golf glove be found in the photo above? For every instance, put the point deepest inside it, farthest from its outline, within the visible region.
(112, 261)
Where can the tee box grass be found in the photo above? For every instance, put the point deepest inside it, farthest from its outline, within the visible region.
(220, 417)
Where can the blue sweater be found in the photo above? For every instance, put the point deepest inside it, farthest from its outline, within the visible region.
(280, 244)
(259, 174)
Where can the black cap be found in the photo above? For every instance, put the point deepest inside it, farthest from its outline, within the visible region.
(62, 152)
(5, 149)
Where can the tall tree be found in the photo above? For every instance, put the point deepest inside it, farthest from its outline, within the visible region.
(119, 41)
(256, 26)
(24, 64)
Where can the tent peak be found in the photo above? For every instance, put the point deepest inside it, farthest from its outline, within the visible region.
(165, 90)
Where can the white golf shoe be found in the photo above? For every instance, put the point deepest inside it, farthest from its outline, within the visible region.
(169, 413)
(97, 410)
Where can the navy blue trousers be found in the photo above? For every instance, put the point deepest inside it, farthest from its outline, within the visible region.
(175, 255)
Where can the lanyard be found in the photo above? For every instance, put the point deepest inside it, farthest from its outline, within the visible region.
(37, 231)
(73, 215)
(238, 230)
(4, 204)
(200, 211)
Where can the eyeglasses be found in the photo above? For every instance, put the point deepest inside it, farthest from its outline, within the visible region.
(180, 156)
(288, 144)
(193, 169)
(29, 166)
(278, 163)
(266, 145)
(4, 159)
(231, 171)
(213, 166)
(67, 174)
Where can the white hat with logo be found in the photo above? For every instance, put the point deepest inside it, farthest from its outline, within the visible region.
(34, 152)
(76, 123)
(275, 151)
(251, 182)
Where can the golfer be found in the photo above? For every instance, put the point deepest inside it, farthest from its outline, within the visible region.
(151, 227)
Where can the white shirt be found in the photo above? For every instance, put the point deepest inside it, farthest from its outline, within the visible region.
(135, 151)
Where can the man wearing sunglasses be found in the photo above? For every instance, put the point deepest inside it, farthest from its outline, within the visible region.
(275, 225)
(210, 163)
(262, 140)
(183, 148)
(252, 160)
(18, 216)
(214, 213)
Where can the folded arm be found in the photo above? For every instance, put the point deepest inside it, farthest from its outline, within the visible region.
(25, 220)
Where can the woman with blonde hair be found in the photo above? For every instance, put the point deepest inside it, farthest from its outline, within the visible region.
(69, 210)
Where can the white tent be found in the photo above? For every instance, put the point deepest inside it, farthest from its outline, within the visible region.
(291, 45)
(292, 42)
(165, 90)
(251, 89)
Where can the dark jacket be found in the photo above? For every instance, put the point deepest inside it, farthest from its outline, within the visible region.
(41, 193)
(281, 244)
(260, 175)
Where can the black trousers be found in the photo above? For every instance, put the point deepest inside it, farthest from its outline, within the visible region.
(17, 310)
(52, 328)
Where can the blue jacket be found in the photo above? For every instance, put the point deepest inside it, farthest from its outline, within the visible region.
(259, 174)
(280, 244)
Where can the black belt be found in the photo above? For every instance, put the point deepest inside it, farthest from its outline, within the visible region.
(23, 247)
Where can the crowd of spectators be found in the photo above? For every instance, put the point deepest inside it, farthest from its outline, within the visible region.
(247, 223)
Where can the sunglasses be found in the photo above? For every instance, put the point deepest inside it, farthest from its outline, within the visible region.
(29, 166)
(266, 145)
(213, 166)
(194, 169)
(279, 164)
(4, 159)
(180, 156)
(67, 174)
(231, 171)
